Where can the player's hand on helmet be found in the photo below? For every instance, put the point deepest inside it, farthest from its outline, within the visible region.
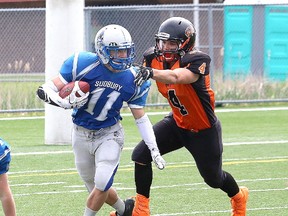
(158, 159)
(144, 73)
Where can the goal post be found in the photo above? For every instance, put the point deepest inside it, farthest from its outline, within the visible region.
(64, 36)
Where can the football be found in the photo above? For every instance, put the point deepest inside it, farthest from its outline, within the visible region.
(84, 87)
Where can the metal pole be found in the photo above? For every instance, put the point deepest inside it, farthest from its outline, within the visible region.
(196, 22)
(211, 45)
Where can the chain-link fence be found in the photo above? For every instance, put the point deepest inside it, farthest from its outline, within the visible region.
(143, 23)
(249, 63)
(22, 41)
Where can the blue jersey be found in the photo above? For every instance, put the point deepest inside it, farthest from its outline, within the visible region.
(108, 90)
(5, 157)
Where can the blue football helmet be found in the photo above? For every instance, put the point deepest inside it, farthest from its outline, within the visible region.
(114, 46)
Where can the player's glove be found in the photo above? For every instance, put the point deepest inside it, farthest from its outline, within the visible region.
(144, 73)
(72, 101)
(158, 159)
(49, 96)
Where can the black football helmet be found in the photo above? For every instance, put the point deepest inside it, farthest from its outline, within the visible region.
(176, 29)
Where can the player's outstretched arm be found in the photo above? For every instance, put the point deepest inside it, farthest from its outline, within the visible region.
(146, 130)
(176, 76)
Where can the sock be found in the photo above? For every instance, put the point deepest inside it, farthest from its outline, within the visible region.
(229, 185)
(143, 179)
(89, 212)
(238, 196)
(119, 206)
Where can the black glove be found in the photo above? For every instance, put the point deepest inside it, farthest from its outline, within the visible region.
(144, 73)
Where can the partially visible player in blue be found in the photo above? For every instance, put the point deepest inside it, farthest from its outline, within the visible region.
(98, 136)
(6, 196)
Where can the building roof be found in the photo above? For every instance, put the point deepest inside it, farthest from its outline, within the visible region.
(42, 3)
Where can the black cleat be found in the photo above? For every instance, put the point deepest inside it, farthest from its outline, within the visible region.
(129, 205)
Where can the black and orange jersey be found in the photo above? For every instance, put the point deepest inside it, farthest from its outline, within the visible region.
(192, 104)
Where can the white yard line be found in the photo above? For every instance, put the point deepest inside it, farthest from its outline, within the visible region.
(220, 211)
(222, 110)
(131, 148)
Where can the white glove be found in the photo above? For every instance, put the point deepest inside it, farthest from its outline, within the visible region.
(48, 92)
(158, 159)
(74, 102)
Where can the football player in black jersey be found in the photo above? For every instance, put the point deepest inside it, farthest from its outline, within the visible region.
(182, 76)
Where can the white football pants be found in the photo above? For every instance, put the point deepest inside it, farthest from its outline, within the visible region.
(97, 154)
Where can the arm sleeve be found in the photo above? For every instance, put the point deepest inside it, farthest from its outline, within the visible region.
(146, 130)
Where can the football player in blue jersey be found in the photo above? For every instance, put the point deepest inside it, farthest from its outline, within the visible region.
(6, 196)
(98, 136)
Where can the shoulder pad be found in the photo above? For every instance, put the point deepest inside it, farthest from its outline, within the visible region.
(149, 51)
(196, 60)
(149, 55)
(194, 56)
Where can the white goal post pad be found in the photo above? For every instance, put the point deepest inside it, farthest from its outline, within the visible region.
(64, 36)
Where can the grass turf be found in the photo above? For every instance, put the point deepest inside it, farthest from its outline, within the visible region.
(44, 180)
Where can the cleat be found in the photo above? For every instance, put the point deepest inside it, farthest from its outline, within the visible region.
(141, 207)
(239, 201)
(129, 205)
(113, 213)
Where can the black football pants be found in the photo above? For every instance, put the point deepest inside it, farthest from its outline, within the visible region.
(205, 146)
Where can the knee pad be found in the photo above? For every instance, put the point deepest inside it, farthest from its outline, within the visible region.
(105, 178)
(141, 154)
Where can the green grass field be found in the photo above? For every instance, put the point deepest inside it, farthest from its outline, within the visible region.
(44, 180)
